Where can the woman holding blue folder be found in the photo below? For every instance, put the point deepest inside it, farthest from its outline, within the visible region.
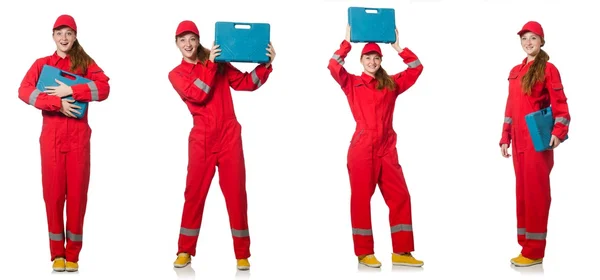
(372, 155)
(534, 84)
(65, 139)
(215, 139)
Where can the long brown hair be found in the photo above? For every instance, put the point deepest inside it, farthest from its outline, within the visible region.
(204, 55)
(79, 58)
(384, 80)
(536, 72)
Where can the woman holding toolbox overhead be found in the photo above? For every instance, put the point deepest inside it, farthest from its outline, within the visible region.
(372, 155)
(215, 139)
(65, 139)
(534, 84)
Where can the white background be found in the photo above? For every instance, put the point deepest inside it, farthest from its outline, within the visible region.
(296, 131)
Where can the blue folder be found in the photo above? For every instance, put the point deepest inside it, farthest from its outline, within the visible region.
(372, 25)
(242, 41)
(48, 76)
(540, 124)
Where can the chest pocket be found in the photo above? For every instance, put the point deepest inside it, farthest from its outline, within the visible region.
(513, 76)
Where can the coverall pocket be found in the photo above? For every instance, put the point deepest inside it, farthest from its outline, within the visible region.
(513, 75)
(356, 137)
(556, 86)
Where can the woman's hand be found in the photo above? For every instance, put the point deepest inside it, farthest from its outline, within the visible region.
(347, 33)
(271, 54)
(554, 142)
(214, 52)
(68, 109)
(396, 45)
(61, 90)
(504, 150)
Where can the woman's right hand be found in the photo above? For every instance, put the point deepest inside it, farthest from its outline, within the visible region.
(504, 150)
(348, 33)
(67, 108)
(214, 52)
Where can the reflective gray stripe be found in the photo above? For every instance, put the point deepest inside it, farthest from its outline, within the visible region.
(93, 90)
(414, 63)
(562, 120)
(74, 237)
(508, 120)
(189, 232)
(201, 85)
(240, 233)
(338, 59)
(255, 79)
(56, 236)
(401, 227)
(360, 231)
(33, 97)
(535, 236)
(520, 231)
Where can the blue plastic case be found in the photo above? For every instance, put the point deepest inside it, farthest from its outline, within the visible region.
(540, 124)
(48, 76)
(242, 42)
(372, 25)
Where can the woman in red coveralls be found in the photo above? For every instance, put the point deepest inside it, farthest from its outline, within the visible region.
(534, 84)
(372, 155)
(215, 139)
(65, 139)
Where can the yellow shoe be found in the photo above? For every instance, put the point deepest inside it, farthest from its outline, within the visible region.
(405, 259)
(523, 261)
(72, 266)
(59, 264)
(243, 264)
(369, 260)
(183, 259)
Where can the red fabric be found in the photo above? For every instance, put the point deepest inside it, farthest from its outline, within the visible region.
(215, 140)
(371, 47)
(372, 155)
(532, 26)
(65, 153)
(532, 169)
(187, 26)
(65, 20)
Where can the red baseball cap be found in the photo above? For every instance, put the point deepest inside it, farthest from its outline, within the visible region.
(65, 20)
(187, 26)
(372, 47)
(532, 26)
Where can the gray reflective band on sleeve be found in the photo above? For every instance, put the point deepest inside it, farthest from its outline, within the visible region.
(255, 79)
(93, 90)
(240, 233)
(360, 231)
(520, 231)
(414, 63)
(33, 97)
(202, 85)
(401, 227)
(189, 232)
(535, 236)
(74, 237)
(338, 59)
(562, 120)
(56, 236)
(508, 120)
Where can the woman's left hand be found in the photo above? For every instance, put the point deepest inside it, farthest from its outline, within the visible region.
(396, 45)
(270, 54)
(554, 141)
(61, 90)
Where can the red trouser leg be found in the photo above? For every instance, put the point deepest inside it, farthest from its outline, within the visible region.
(78, 178)
(232, 178)
(54, 188)
(395, 193)
(201, 170)
(362, 186)
(520, 191)
(537, 168)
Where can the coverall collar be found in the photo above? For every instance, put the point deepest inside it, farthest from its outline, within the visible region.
(366, 78)
(56, 58)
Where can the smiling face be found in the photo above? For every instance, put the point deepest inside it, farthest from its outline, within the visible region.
(531, 43)
(64, 37)
(371, 62)
(188, 45)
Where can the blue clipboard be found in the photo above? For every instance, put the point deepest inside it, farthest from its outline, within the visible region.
(372, 25)
(48, 76)
(242, 41)
(540, 124)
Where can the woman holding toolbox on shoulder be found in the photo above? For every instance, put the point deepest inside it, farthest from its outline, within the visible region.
(534, 85)
(65, 139)
(215, 139)
(372, 155)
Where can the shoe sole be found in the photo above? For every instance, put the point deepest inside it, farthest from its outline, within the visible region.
(71, 269)
(371, 265)
(408, 264)
(525, 265)
(59, 269)
(181, 265)
(243, 267)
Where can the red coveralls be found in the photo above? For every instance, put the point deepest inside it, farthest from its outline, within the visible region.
(215, 140)
(532, 169)
(65, 152)
(372, 155)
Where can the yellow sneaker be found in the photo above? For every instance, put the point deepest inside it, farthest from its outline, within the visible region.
(59, 264)
(243, 264)
(369, 260)
(71, 266)
(405, 259)
(523, 261)
(183, 259)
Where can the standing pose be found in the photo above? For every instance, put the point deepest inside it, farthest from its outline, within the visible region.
(65, 139)
(534, 84)
(372, 155)
(215, 139)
